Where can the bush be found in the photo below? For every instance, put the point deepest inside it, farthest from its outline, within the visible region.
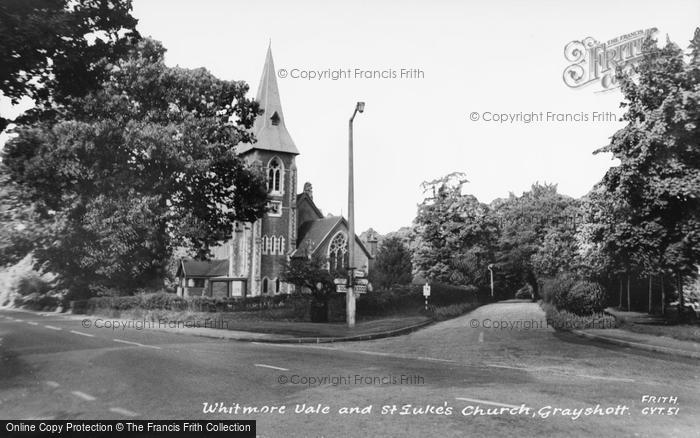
(524, 293)
(296, 304)
(37, 301)
(162, 301)
(32, 284)
(563, 320)
(556, 289)
(451, 311)
(585, 298)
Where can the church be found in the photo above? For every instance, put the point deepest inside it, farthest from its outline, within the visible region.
(251, 262)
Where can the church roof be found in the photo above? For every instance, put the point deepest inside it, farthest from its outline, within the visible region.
(305, 197)
(203, 268)
(312, 234)
(269, 128)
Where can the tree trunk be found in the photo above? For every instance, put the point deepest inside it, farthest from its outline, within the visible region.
(663, 297)
(620, 306)
(649, 293)
(628, 292)
(679, 282)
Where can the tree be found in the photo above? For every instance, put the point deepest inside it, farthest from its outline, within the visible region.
(310, 273)
(658, 179)
(533, 230)
(54, 50)
(142, 164)
(392, 265)
(454, 234)
(19, 225)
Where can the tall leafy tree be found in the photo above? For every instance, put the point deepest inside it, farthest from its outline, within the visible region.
(392, 265)
(658, 179)
(534, 229)
(144, 163)
(454, 234)
(53, 50)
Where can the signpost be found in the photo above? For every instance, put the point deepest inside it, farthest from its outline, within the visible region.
(359, 285)
(426, 294)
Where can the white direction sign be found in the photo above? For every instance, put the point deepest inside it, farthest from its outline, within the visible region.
(426, 290)
(359, 273)
(340, 280)
(341, 288)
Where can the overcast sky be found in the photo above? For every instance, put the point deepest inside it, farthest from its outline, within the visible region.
(491, 56)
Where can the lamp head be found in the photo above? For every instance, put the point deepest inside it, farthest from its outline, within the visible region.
(360, 107)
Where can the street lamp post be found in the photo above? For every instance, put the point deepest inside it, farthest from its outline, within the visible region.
(350, 294)
(490, 267)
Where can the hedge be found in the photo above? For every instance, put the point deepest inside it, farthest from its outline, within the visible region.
(169, 301)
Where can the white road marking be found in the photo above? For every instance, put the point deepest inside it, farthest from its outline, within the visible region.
(484, 402)
(52, 384)
(86, 397)
(481, 337)
(493, 365)
(19, 320)
(125, 412)
(127, 342)
(262, 365)
(434, 359)
(32, 323)
(82, 334)
(136, 344)
(50, 327)
(616, 379)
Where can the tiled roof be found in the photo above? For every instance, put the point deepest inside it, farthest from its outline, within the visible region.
(208, 268)
(313, 233)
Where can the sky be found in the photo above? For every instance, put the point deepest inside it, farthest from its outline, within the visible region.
(483, 58)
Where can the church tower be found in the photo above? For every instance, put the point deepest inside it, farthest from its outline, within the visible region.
(273, 237)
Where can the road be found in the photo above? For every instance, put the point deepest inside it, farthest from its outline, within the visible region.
(487, 381)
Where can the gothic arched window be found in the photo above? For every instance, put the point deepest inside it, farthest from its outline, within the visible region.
(280, 246)
(278, 284)
(265, 285)
(265, 247)
(338, 252)
(274, 176)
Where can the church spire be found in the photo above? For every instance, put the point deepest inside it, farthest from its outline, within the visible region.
(269, 128)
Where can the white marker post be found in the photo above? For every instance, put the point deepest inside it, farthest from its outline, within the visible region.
(426, 294)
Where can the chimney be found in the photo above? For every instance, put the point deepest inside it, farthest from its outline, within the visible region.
(309, 190)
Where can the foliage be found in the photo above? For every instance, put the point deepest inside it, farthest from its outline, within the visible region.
(564, 320)
(389, 301)
(392, 265)
(524, 292)
(441, 313)
(53, 50)
(33, 284)
(655, 191)
(584, 298)
(19, 224)
(309, 273)
(172, 302)
(454, 234)
(123, 174)
(555, 289)
(536, 235)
